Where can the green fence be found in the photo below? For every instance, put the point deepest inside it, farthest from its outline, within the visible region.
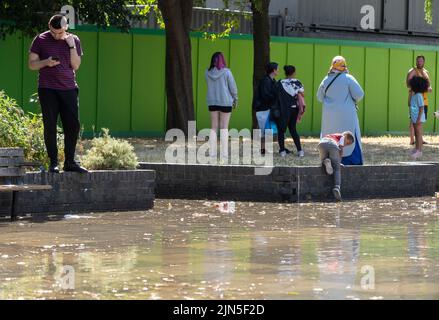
(122, 78)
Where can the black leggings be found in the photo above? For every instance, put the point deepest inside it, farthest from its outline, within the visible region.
(291, 122)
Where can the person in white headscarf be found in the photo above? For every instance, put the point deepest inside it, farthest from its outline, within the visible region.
(340, 93)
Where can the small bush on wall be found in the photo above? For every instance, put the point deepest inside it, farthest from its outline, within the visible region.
(108, 153)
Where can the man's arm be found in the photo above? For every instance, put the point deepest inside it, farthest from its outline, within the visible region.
(36, 64)
(427, 76)
(410, 75)
(75, 59)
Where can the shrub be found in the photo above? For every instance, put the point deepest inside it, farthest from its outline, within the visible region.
(23, 130)
(108, 153)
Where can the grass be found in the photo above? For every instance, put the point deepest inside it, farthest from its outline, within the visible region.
(376, 150)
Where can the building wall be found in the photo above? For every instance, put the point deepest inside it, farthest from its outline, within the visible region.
(276, 6)
(122, 78)
(397, 16)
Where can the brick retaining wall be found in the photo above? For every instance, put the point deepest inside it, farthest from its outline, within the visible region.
(95, 191)
(292, 183)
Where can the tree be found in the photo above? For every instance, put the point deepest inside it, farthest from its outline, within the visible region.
(428, 8)
(261, 42)
(261, 38)
(177, 16)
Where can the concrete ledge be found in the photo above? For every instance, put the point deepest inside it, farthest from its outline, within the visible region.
(75, 193)
(293, 183)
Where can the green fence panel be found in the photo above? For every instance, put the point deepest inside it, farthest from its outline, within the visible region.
(430, 65)
(302, 57)
(11, 74)
(278, 53)
(400, 61)
(194, 53)
(30, 79)
(122, 79)
(206, 49)
(323, 55)
(148, 84)
(377, 90)
(242, 69)
(87, 78)
(114, 81)
(435, 91)
(355, 57)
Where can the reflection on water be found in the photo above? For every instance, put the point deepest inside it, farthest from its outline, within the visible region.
(189, 250)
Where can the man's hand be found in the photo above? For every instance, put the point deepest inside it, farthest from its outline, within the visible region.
(70, 40)
(51, 63)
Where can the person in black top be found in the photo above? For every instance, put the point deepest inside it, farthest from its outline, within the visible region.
(286, 109)
(265, 97)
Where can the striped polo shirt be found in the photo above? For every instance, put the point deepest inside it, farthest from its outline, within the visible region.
(62, 76)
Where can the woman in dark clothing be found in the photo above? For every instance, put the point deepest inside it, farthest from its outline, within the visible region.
(265, 97)
(287, 109)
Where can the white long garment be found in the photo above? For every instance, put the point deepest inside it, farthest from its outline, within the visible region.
(339, 111)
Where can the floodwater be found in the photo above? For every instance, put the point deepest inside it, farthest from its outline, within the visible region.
(380, 249)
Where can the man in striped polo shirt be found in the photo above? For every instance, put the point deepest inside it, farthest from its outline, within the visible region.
(56, 54)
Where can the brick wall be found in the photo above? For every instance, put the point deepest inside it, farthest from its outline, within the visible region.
(95, 191)
(292, 183)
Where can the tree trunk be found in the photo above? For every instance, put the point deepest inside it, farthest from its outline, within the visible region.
(261, 41)
(177, 15)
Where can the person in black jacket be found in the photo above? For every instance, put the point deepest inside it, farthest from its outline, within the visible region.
(265, 97)
(286, 110)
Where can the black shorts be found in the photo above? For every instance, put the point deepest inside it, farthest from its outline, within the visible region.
(220, 109)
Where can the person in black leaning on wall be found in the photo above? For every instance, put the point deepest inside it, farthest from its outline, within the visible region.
(264, 98)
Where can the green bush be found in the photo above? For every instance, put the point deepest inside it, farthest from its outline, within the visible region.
(23, 130)
(108, 153)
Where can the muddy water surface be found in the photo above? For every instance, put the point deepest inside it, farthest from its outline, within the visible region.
(381, 249)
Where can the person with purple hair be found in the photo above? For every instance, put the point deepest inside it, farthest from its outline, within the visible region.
(222, 97)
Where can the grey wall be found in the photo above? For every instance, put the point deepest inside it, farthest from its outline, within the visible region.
(397, 16)
(276, 6)
(292, 184)
(95, 191)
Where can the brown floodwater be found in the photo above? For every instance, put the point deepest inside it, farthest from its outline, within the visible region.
(375, 249)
